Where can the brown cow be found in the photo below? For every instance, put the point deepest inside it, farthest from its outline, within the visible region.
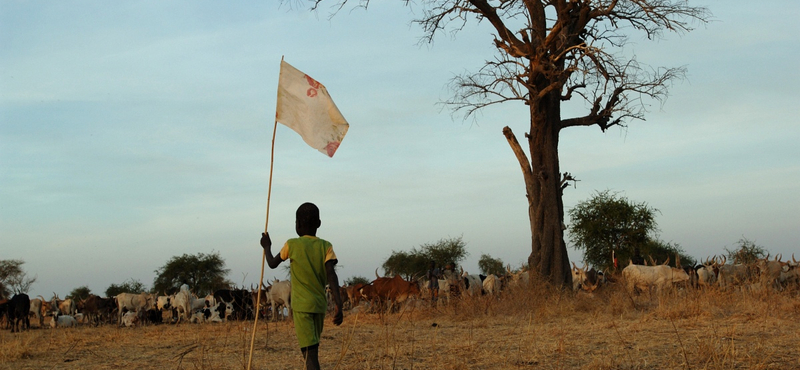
(354, 294)
(262, 301)
(345, 297)
(95, 308)
(384, 290)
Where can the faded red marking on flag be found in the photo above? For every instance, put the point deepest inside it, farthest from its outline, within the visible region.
(312, 92)
(314, 83)
(331, 148)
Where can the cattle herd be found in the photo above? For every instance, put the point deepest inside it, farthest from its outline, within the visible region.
(129, 309)
(760, 275)
(383, 293)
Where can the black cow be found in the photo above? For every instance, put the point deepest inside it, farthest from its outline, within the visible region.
(154, 316)
(17, 310)
(241, 299)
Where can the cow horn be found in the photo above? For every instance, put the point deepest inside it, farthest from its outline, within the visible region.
(666, 262)
(779, 257)
(592, 287)
(793, 260)
(376, 273)
(574, 267)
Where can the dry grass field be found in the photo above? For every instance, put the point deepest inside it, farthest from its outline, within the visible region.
(524, 329)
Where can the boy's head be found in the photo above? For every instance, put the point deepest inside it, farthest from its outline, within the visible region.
(307, 219)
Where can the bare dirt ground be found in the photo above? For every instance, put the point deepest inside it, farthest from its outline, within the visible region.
(524, 329)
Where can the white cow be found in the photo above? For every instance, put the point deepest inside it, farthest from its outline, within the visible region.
(36, 310)
(199, 303)
(519, 278)
(133, 302)
(280, 293)
(491, 284)
(770, 271)
(197, 318)
(130, 319)
(216, 313)
(733, 274)
(472, 284)
(64, 321)
(210, 300)
(182, 302)
(164, 302)
(646, 277)
(707, 273)
(790, 275)
(578, 276)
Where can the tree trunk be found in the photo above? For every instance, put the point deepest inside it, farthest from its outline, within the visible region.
(548, 258)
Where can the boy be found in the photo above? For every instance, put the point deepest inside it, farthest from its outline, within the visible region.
(312, 263)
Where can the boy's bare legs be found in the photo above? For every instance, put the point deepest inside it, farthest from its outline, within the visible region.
(311, 357)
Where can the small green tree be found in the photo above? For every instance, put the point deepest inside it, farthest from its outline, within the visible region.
(356, 280)
(13, 279)
(405, 264)
(661, 251)
(746, 252)
(610, 224)
(416, 263)
(489, 265)
(204, 273)
(445, 251)
(80, 293)
(128, 286)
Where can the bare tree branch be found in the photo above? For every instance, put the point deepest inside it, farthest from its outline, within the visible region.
(550, 51)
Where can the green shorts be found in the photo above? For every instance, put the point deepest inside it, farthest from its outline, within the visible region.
(308, 326)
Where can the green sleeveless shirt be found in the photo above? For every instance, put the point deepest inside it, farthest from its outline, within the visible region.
(307, 256)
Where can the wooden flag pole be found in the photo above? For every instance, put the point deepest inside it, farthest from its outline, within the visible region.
(263, 252)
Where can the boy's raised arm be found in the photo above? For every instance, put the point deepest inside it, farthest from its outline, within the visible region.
(266, 243)
(333, 284)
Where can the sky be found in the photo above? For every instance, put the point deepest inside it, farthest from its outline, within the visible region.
(132, 132)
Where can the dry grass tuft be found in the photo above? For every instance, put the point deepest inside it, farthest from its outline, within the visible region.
(16, 348)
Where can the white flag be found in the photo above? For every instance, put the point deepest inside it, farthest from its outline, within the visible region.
(305, 106)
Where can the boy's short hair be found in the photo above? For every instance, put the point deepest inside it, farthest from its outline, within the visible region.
(307, 213)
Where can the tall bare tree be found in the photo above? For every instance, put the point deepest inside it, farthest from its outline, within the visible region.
(550, 52)
(13, 279)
